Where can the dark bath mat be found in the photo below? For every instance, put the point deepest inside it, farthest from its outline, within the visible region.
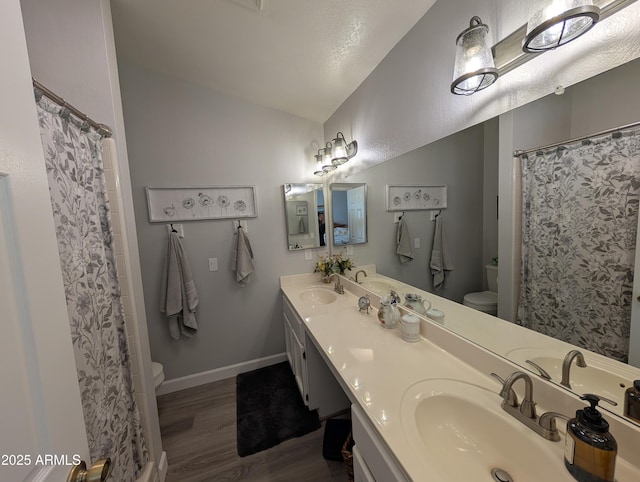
(270, 409)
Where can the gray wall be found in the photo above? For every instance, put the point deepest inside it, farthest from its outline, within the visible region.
(457, 162)
(406, 103)
(182, 135)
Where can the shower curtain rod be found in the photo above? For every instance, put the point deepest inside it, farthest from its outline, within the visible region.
(577, 139)
(102, 129)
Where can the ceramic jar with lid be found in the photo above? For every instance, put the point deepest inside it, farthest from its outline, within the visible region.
(410, 325)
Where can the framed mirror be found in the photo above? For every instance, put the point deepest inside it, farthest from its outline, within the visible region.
(479, 168)
(348, 213)
(304, 214)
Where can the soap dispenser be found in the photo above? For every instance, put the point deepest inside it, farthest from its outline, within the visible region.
(590, 450)
(632, 401)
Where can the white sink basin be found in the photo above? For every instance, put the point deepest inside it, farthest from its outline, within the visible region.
(378, 286)
(318, 296)
(460, 431)
(594, 378)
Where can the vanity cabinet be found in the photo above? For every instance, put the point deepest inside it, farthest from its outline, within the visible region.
(374, 462)
(317, 385)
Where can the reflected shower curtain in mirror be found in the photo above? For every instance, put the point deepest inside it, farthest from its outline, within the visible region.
(73, 158)
(579, 222)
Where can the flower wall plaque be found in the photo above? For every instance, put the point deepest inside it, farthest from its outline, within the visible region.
(172, 204)
(407, 198)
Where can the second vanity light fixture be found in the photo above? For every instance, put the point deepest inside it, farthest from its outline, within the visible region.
(334, 154)
(552, 23)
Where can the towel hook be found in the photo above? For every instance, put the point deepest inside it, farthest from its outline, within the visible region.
(173, 230)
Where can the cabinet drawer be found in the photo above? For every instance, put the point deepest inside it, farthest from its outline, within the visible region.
(294, 319)
(372, 450)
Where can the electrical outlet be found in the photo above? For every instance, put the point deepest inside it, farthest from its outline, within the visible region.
(213, 264)
(308, 255)
(416, 243)
(349, 250)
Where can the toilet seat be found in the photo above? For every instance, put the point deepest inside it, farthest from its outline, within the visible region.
(486, 301)
(158, 374)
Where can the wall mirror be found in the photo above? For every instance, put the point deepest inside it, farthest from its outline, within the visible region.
(348, 213)
(474, 164)
(304, 214)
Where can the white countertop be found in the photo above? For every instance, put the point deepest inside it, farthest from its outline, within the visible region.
(376, 367)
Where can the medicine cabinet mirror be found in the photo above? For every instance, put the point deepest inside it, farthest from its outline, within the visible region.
(348, 213)
(304, 214)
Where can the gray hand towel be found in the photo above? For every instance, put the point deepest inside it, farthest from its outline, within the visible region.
(404, 249)
(178, 296)
(242, 259)
(440, 258)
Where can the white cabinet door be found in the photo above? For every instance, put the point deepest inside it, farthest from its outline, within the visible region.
(296, 356)
(40, 411)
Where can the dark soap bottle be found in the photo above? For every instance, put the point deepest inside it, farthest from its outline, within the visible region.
(590, 450)
(632, 401)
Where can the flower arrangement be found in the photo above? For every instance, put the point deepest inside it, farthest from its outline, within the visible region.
(324, 265)
(341, 264)
(336, 263)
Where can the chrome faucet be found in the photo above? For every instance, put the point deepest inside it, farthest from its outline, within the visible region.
(358, 272)
(525, 412)
(566, 366)
(337, 287)
(528, 406)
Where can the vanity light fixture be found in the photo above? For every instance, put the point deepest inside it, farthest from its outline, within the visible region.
(553, 23)
(334, 154)
(474, 69)
(342, 151)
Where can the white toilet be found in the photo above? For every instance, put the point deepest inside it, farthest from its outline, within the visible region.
(158, 374)
(485, 301)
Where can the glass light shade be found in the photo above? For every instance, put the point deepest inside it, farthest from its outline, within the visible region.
(327, 154)
(319, 157)
(339, 150)
(352, 149)
(329, 167)
(474, 69)
(553, 23)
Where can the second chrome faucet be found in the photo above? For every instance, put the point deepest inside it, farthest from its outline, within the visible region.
(525, 411)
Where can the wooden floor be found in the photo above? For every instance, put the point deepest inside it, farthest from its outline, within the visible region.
(198, 429)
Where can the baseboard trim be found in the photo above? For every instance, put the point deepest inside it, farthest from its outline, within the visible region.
(202, 378)
(162, 467)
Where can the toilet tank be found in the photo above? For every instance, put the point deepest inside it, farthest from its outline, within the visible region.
(492, 277)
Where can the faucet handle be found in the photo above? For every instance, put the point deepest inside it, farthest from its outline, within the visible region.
(543, 373)
(548, 422)
(512, 398)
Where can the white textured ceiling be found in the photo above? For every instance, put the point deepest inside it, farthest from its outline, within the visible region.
(304, 57)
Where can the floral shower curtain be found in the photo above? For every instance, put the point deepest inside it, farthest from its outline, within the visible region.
(73, 157)
(579, 222)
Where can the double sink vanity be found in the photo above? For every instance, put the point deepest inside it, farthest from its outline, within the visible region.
(433, 410)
